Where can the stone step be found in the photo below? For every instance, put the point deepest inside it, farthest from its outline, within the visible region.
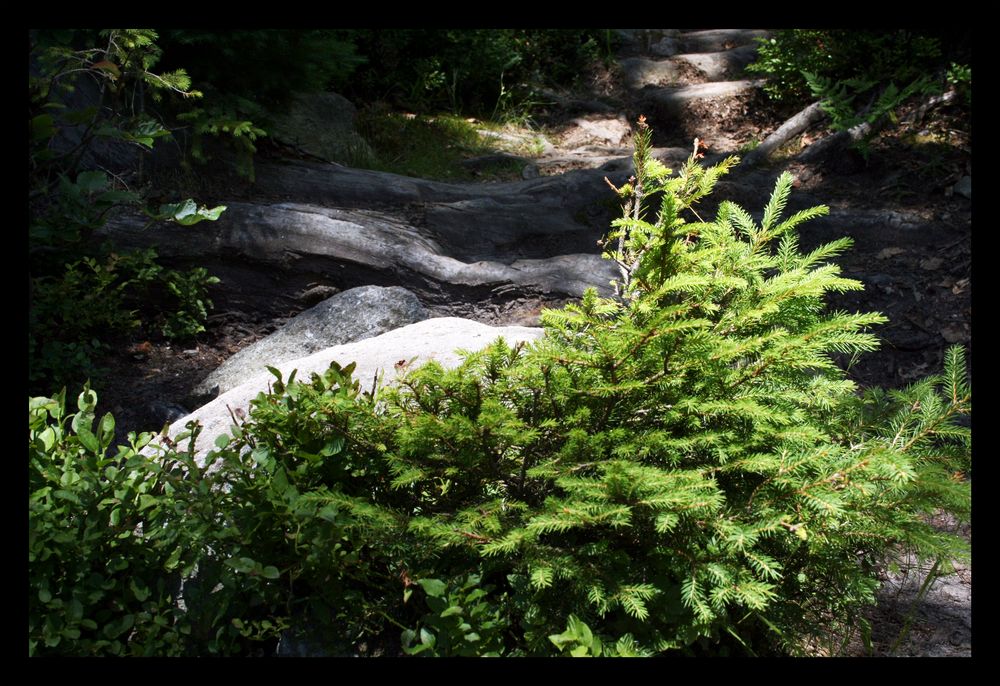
(611, 160)
(640, 72)
(723, 65)
(717, 40)
(676, 98)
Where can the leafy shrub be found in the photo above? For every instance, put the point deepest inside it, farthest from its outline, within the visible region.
(83, 294)
(103, 560)
(461, 622)
(882, 56)
(122, 546)
(75, 316)
(680, 469)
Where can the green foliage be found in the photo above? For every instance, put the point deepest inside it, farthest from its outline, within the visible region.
(579, 641)
(228, 126)
(461, 623)
(124, 548)
(84, 294)
(899, 56)
(680, 469)
(103, 560)
(960, 78)
(478, 71)
(189, 289)
(854, 73)
(75, 315)
(839, 101)
(248, 75)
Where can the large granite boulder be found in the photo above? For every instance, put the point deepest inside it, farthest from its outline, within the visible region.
(322, 124)
(350, 316)
(436, 339)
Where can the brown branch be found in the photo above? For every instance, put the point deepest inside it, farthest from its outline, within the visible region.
(792, 127)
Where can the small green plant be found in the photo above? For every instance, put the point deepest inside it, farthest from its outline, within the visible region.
(959, 74)
(460, 622)
(782, 58)
(853, 73)
(960, 78)
(104, 563)
(220, 124)
(579, 641)
(190, 290)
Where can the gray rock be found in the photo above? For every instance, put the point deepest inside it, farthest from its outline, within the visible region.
(317, 294)
(640, 72)
(166, 412)
(666, 47)
(322, 124)
(432, 339)
(605, 131)
(675, 98)
(717, 40)
(720, 65)
(644, 39)
(486, 161)
(353, 315)
(459, 243)
(964, 187)
(469, 221)
(530, 171)
(579, 104)
(671, 157)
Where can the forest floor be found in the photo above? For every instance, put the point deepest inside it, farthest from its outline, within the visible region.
(915, 264)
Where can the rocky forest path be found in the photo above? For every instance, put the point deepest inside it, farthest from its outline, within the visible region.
(499, 252)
